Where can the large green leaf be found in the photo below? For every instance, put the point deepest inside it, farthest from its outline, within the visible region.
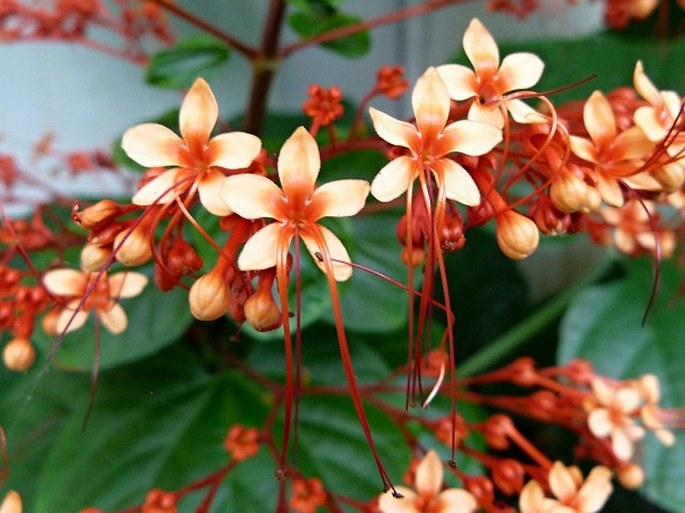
(311, 23)
(177, 67)
(603, 326)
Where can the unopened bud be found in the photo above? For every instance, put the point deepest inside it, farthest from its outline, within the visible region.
(568, 192)
(12, 503)
(261, 311)
(631, 475)
(93, 257)
(508, 476)
(414, 256)
(18, 355)
(517, 236)
(209, 296)
(670, 176)
(49, 322)
(92, 216)
(133, 247)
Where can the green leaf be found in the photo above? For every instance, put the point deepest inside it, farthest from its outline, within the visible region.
(178, 67)
(155, 320)
(603, 326)
(312, 23)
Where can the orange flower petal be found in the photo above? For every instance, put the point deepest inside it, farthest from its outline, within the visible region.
(519, 71)
(631, 144)
(595, 491)
(599, 120)
(260, 251)
(458, 184)
(394, 179)
(394, 131)
(481, 48)
(583, 148)
(299, 163)
(431, 104)
(645, 87)
(648, 121)
(490, 114)
(159, 190)
(234, 150)
(152, 145)
(198, 115)
(469, 137)
(210, 188)
(429, 474)
(336, 249)
(114, 319)
(65, 282)
(126, 284)
(610, 190)
(252, 196)
(461, 82)
(340, 198)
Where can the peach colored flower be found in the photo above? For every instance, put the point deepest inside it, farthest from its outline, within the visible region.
(615, 155)
(297, 208)
(11, 503)
(429, 496)
(102, 299)
(429, 143)
(489, 82)
(651, 413)
(194, 157)
(612, 414)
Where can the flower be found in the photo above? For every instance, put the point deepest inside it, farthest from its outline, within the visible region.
(612, 416)
(297, 208)
(428, 497)
(194, 156)
(615, 156)
(490, 81)
(429, 142)
(103, 298)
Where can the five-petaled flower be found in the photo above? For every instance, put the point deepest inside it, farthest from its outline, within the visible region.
(429, 144)
(194, 156)
(489, 82)
(429, 496)
(297, 208)
(83, 295)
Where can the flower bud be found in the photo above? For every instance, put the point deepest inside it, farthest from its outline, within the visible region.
(49, 321)
(133, 247)
(12, 503)
(209, 296)
(568, 192)
(631, 475)
(413, 257)
(517, 236)
(670, 176)
(18, 355)
(508, 476)
(261, 311)
(93, 216)
(93, 257)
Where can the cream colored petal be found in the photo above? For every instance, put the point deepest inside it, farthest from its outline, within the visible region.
(394, 179)
(198, 115)
(490, 114)
(531, 498)
(455, 500)
(599, 422)
(159, 190)
(624, 241)
(458, 184)
(602, 391)
(520, 71)
(524, 113)
(152, 145)
(252, 196)
(65, 282)
(299, 163)
(340, 198)
(126, 284)
(627, 399)
(394, 131)
(599, 119)
(341, 271)
(65, 319)
(389, 504)
(459, 80)
(648, 121)
(234, 150)
(431, 104)
(480, 47)
(260, 251)
(643, 181)
(632, 144)
(644, 86)
(552, 506)
(593, 495)
(469, 137)
(114, 319)
(610, 190)
(210, 189)
(429, 474)
(11, 503)
(561, 481)
(583, 148)
(621, 444)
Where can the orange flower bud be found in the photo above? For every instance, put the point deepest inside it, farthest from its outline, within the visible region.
(568, 192)
(18, 355)
(209, 296)
(517, 236)
(12, 503)
(414, 257)
(508, 476)
(49, 321)
(136, 248)
(631, 475)
(261, 311)
(92, 216)
(93, 257)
